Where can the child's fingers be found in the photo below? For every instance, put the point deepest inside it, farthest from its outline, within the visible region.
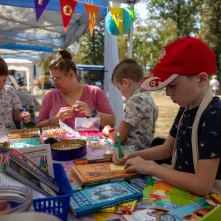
(128, 162)
(130, 169)
(125, 158)
(115, 158)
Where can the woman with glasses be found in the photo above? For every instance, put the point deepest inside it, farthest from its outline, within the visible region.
(71, 99)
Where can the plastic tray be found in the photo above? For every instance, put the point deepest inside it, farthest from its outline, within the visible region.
(58, 205)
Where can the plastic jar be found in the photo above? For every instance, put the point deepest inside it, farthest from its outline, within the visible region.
(14, 199)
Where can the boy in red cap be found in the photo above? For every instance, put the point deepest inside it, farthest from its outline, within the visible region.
(195, 137)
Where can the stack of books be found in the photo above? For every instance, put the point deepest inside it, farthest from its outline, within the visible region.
(103, 190)
(98, 197)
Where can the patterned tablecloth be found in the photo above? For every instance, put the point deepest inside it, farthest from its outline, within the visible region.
(97, 216)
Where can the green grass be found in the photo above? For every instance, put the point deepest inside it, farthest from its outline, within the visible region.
(167, 113)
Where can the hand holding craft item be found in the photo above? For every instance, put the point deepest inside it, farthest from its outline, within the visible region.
(82, 107)
(75, 106)
(65, 113)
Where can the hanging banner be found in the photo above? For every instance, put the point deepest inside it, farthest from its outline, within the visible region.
(67, 10)
(92, 13)
(132, 13)
(40, 6)
(118, 16)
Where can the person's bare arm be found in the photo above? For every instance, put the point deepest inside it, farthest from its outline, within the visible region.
(106, 119)
(200, 183)
(17, 115)
(44, 123)
(63, 113)
(160, 152)
(123, 129)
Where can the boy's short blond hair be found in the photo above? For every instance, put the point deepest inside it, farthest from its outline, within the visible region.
(3, 67)
(127, 69)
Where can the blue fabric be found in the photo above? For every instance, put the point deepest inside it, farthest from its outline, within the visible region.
(26, 47)
(54, 5)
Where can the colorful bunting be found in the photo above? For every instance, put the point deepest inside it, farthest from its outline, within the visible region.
(40, 6)
(118, 17)
(67, 9)
(92, 13)
(132, 13)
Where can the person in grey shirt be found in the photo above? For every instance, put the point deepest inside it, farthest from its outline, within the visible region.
(10, 104)
(140, 114)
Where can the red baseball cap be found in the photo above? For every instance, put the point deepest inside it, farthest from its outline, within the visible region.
(186, 56)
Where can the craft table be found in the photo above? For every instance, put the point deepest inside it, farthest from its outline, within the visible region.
(98, 216)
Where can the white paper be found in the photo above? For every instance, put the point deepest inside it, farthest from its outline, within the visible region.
(40, 156)
(141, 215)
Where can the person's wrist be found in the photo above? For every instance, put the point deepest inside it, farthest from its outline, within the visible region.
(152, 167)
(131, 155)
(53, 119)
(111, 130)
(92, 113)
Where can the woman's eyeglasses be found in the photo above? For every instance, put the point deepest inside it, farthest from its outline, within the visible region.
(54, 80)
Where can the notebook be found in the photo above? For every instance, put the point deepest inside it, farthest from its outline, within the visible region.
(96, 173)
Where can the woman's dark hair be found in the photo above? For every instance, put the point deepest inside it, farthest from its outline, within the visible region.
(3, 67)
(64, 63)
(129, 69)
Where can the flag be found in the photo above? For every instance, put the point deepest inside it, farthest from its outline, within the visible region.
(67, 9)
(40, 6)
(132, 13)
(92, 13)
(118, 16)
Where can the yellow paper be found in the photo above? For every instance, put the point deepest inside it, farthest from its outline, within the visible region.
(116, 168)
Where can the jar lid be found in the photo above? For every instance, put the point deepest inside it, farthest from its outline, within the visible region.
(14, 199)
(33, 216)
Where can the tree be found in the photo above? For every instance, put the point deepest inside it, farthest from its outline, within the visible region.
(148, 41)
(122, 46)
(92, 48)
(167, 20)
(44, 63)
(211, 29)
(184, 13)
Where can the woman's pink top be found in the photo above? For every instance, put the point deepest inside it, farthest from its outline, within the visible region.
(92, 95)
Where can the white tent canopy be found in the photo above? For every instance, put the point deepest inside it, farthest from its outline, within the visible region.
(20, 31)
(23, 37)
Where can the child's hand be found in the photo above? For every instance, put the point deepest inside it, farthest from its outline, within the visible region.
(25, 116)
(65, 113)
(105, 131)
(139, 165)
(117, 160)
